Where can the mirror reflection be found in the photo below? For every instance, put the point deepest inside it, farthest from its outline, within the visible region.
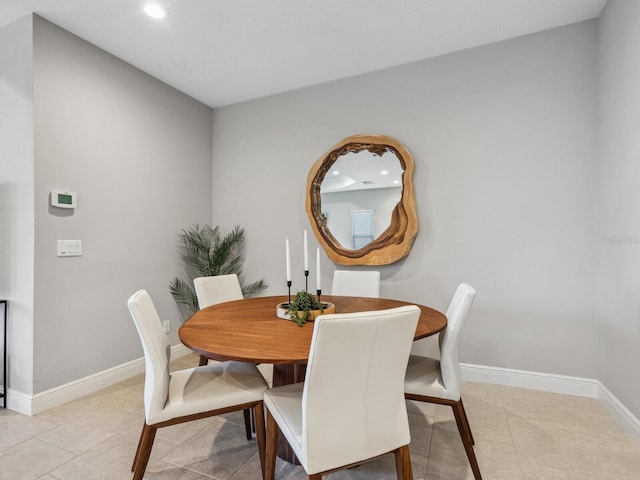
(358, 195)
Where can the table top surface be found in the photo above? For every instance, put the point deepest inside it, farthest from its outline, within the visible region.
(249, 329)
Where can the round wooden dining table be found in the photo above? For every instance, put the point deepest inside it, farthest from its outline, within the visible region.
(249, 330)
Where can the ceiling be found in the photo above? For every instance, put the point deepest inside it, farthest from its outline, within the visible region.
(227, 51)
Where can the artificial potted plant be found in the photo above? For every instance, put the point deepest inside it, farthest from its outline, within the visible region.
(206, 252)
(306, 307)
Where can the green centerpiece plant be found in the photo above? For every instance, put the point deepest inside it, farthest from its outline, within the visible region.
(206, 252)
(302, 307)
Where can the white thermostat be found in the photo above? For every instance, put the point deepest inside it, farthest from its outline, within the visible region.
(63, 199)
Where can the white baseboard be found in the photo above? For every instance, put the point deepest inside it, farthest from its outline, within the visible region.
(617, 409)
(548, 382)
(34, 404)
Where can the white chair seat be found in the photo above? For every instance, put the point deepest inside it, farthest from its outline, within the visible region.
(210, 387)
(286, 407)
(423, 378)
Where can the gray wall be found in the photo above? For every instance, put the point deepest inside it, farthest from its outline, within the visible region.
(16, 196)
(618, 303)
(138, 154)
(504, 141)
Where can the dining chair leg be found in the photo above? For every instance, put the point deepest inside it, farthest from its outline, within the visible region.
(466, 419)
(403, 463)
(462, 422)
(465, 435)
(270, 447)
(140, 442)
(247, 423)
(144, 451)
(258, 415)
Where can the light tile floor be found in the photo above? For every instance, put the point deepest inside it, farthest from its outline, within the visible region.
(520, 435)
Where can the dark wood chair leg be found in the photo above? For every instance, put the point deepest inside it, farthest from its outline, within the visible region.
(465, 434)
(203, 361)
(466, 419)
(403, 463)
(315, 476)
(140, 442)
(258, 415)
(462, 422)
(247, 423)
(270, 447)
(144, 451)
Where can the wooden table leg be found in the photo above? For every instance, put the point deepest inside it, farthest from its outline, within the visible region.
(286, 374)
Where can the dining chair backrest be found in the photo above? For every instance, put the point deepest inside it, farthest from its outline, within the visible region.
(354, 283)
(353, 405)
(449, 338)
(157, 352)
(217, 289)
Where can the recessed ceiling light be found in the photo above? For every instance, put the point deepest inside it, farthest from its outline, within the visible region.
(384, 172)
(155, 10)
(336, 172)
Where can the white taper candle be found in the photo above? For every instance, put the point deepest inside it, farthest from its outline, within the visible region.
(306, 253)
(288, 261)
(318, 285)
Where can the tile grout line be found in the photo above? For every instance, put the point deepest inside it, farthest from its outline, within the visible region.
(513, 441)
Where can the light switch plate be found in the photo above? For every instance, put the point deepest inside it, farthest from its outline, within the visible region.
(69, 248)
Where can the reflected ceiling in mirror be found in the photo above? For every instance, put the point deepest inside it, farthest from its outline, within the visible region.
(360, 201)
(363, 170)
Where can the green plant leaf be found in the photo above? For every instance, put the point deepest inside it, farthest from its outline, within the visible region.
(185, 296)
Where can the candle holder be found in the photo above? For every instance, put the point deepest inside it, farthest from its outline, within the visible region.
(318, 292)
(286, 305)
(306, 280)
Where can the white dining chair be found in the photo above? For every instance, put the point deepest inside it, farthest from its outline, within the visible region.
(190, 394)
(350, 407)
(356, 283)
(439, 381)
(216, 289)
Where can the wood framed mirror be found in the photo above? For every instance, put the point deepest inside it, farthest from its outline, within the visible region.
(360, 201)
